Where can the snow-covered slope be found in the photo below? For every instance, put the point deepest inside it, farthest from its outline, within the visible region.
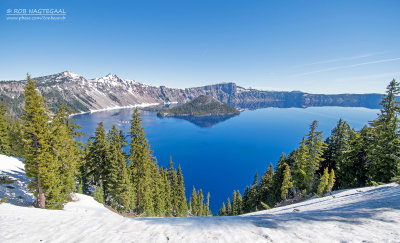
(15, 189)
(368, 214)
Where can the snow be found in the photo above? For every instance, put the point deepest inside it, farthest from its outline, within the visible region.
(370, 214)
(17, 192)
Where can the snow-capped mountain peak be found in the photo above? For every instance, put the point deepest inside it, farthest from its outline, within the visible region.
(70, 74)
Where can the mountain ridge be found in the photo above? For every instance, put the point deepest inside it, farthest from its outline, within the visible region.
(110, 91)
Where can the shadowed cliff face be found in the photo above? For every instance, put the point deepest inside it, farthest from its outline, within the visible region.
(82, 94)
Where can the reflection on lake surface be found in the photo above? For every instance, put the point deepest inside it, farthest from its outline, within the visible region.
(221, 155)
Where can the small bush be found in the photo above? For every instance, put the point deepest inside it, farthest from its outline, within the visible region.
(5, 180)
(3, 200)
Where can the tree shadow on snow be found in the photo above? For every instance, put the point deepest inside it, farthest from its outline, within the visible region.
(377, 200)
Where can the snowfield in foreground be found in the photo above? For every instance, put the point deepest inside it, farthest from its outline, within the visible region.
(369, 214)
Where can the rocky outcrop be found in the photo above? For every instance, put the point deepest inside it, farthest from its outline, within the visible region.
(83, 94)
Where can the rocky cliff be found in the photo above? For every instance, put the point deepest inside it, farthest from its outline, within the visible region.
(83, 94)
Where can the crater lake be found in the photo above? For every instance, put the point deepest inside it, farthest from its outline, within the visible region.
(222, 154)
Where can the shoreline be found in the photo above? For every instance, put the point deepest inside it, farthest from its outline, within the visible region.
(116, 108)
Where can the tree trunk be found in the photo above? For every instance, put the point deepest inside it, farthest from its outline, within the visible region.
(41, 197)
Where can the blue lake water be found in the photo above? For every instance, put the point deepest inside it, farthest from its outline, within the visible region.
(224, 157)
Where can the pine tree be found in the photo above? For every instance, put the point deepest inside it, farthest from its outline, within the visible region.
(200, 202)
(15, 136)
(98, 193)
(97, 158)
(266, 184)
(4, 127)
(228, 207)
(173, 184)
(117, 177)
(181, 198)
(235, 208)
(207, 208)
(39, 161)
(278, 179)
(301, 174)
(254, 195)
(159, 193)
(239, 202)
(353, 170)
(246, 207)
(193, 203)
(323, 183)
(316, 146)
(66, 150)
(338, 146)
(331, 181)
(384, 151)
(287, 183)
(141, 164)
(167, 192)
(222, 211)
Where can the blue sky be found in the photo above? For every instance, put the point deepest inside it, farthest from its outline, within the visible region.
(314, 46)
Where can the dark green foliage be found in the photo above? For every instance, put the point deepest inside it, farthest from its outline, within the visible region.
(98, 193)
(222, 211)
(15, 136)
(323, 183)
(266, 186)
(197, 205)
(39, 161)
(4, 127)
(287, 183)
(200, 106)
(354, 159)
(117, 175)
(181, 202)
(384, 150)
(97, 157)
(141, 165)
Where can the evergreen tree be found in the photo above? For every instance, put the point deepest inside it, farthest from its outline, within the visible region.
(384, 151)
(323, 183)
(316, 146)
(353, 170)
(98, 193)
(97, 158)
(167, 192)
(173, 184)
(235, 205)
(181, 202)
(193, 202)
(254, 195)
(301, 174)
(66, 150)
(141, 165)
(4, 127)
(266, 184)
(239, 202)
(278, 179)
(338, 146)
(331, 181)
(159, 194)
(287, 183)
(15, 136)
(117, 177)
(246, 201)
(39, 162)
(222, 211)
(207, 208)
(228, 207)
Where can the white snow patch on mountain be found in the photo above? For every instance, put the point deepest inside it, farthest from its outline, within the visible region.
(370, 214)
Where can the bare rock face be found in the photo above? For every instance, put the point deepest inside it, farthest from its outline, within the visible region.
(82, 94)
